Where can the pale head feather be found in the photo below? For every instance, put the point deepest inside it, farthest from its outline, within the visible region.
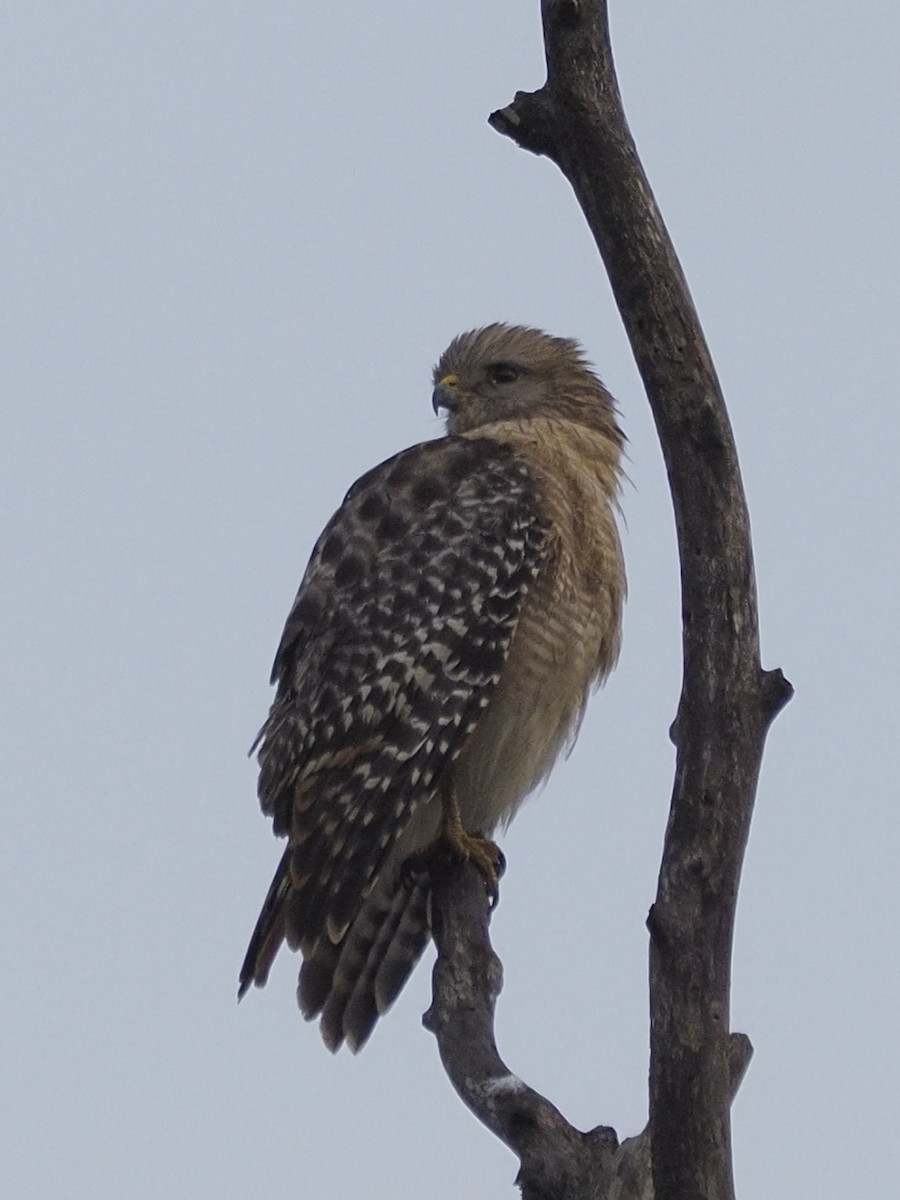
(510, 372)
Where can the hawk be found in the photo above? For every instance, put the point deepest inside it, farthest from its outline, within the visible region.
(455, 614)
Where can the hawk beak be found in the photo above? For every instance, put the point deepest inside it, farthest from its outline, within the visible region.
(446, 395)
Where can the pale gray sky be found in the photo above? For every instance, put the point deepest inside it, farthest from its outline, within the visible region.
(235, 239)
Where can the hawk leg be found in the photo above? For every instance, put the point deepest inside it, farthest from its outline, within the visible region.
(455, 840)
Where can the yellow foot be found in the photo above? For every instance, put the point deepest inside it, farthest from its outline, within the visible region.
(485, 855)
(455, 840)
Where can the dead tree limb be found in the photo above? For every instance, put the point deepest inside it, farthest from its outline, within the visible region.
(557, 1161)
(727, 700)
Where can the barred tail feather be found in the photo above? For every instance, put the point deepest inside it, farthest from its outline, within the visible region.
(353, 983)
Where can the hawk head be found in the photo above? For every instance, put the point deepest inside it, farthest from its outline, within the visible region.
(512, 373)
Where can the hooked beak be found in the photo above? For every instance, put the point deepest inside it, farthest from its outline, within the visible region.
(446, 394)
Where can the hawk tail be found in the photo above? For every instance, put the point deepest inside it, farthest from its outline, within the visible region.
(354, 982)
(269, 931)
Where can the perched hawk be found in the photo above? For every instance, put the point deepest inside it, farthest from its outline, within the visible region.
(454, 616)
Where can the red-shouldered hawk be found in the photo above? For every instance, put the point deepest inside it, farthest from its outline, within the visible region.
(454, 616)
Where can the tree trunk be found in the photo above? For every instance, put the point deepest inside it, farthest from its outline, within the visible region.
(727, 701)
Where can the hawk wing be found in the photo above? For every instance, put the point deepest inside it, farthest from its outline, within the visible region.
(391, 651)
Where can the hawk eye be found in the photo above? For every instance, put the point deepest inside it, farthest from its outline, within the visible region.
(503, 373)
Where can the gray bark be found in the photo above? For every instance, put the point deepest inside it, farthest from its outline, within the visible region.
(727, 701)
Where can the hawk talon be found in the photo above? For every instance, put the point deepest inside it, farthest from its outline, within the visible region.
(485, 855)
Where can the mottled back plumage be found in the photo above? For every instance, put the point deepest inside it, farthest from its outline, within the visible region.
(447, 617)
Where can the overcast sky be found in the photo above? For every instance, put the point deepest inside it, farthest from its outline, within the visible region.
(235, 238)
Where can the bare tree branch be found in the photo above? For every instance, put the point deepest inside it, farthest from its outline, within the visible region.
(726, 706)
(557, 1161)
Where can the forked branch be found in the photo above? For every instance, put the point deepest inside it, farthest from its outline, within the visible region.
(727, 700)
(557, 1161)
